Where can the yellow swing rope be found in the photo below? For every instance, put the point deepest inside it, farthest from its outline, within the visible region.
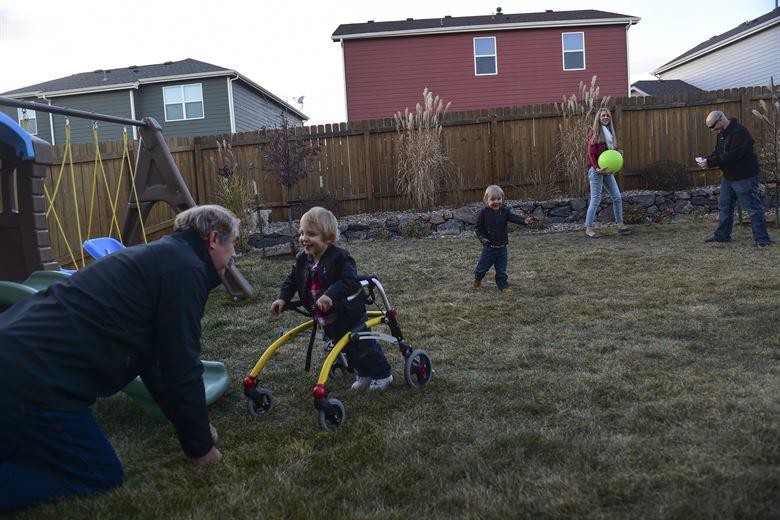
(109, 195)
(131, 174)
(50, 199)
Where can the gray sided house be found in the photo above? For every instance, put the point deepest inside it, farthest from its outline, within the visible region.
(748, 55)
(187, 98)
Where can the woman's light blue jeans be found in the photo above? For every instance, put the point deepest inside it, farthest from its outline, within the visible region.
(597, 182)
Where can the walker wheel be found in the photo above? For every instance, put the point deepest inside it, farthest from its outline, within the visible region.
(331, 421)
(260, 403)
(418, 369)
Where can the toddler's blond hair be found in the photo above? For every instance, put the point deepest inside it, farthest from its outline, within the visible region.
(492, 191)
(323, 221)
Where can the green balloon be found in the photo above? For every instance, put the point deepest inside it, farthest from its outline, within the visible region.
(611, 160)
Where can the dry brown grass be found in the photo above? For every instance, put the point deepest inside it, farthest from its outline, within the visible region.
(629, 377)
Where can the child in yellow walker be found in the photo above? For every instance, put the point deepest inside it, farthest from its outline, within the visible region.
(324, 275)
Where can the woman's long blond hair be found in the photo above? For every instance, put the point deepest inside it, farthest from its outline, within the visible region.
(598, 133)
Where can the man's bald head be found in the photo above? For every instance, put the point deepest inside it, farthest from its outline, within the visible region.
(714, 117)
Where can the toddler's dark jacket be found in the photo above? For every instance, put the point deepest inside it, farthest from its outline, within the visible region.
(491, 225)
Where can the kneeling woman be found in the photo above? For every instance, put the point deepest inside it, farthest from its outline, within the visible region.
(600, 138)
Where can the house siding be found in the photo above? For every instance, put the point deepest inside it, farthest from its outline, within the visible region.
(384, 75)
(254, 111)
(149, 103)
(746, 63)
(115, 103)
(44, 129)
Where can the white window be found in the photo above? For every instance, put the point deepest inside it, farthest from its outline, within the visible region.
(28, 120)
(573, 50)
(485, 59)
(183, 102)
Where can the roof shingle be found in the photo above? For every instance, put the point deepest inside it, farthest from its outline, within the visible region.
(108, 77)
(448, 22)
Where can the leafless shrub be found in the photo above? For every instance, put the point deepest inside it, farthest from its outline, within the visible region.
(577, 113)
(769, 143)
(665, 175)
(543, 185)
(290, 157)
(422, 161)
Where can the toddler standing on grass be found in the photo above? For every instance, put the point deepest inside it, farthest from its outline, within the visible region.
(324, 276)
(491, 231)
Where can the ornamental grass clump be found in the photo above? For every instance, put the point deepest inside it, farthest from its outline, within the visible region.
(577, 113)
(422, 162)
(233, 191)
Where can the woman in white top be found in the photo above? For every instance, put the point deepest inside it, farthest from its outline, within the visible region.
(600, 138)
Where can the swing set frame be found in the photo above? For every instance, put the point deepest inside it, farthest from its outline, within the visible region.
(24, 163)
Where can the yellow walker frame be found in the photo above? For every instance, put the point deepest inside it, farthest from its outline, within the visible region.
(418, 369)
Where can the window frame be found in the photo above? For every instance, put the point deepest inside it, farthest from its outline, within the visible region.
(20, 118)
(494, 55)
(183, 102)
(564, 51)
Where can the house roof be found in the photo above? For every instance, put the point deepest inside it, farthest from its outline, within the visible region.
(664, 87)
(739, 32)
(497, 21)
(130, 77)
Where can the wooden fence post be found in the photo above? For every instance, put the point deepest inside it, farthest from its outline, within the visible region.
(369, 170)
(200, 179)
(492, 125)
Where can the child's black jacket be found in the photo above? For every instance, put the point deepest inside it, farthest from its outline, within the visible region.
(338, 279)
(491, 225)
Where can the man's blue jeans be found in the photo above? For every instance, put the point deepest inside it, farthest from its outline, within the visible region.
(746, 191)
(47, 454)
(493, 256)
(597, 182)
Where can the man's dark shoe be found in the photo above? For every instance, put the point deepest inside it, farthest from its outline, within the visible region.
(713, 238)
(763, 244)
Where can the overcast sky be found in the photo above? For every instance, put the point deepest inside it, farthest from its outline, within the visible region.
(285, 46)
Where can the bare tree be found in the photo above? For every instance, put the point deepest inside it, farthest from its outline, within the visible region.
(290, 157)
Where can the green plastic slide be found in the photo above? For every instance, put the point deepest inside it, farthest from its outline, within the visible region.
(215, 381)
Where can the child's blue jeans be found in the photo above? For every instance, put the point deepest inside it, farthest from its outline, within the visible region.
(493, 256)
(47, 454)
(366, 357)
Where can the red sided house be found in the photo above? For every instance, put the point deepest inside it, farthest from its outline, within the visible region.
(479, 62)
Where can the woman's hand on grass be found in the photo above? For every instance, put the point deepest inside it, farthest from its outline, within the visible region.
(211, 457)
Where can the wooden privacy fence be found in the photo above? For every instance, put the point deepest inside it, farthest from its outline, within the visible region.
(512, 147)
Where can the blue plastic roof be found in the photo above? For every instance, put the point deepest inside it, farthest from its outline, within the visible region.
(16, 136)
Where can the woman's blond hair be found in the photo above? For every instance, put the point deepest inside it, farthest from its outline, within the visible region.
(598, 134)
(323, 221)
(207, 218)
(492, 191)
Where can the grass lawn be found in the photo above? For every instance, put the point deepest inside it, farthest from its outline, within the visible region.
(624, 377)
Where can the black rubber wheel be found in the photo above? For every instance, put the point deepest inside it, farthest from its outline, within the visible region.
(329, 422)
(261, 402)
(418, 369)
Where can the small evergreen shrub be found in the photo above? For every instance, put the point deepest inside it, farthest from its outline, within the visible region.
(414, 229)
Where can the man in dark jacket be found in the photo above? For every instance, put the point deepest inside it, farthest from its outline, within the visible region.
(735, 157)
(134, 312)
